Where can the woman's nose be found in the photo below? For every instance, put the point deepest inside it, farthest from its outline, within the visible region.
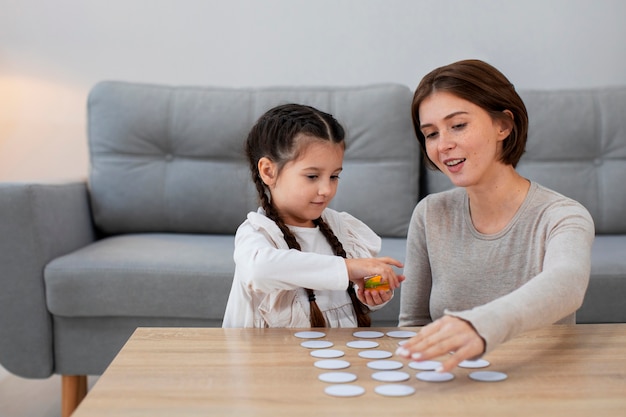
(445, 142)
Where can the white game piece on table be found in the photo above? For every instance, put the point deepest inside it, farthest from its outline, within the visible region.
(344, 390)
(431, 376)
(362, 344)
(424, 365)
(375, 354)
(488, 376)
(327, 353)
(394, 390)
(368, 334)
(309, 335)
(331, 364)
(316, 344)
(479, 363)
(384, 365)
(337, 377)
(391, 376)
(401, 334)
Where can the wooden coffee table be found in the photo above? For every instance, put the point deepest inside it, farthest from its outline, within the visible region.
(560, 370)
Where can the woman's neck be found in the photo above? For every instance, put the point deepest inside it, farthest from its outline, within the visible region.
(494, 204)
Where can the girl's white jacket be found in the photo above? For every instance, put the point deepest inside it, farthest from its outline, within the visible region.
(270, 279)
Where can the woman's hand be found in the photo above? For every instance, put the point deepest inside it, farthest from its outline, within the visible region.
(443, 336)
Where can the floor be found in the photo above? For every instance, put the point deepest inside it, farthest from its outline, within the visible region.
(21, 397)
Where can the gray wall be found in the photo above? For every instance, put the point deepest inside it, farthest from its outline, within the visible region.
(52, 52)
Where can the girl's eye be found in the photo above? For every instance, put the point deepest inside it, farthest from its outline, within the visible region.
(312, 177)
(430, 135)
(334, 177)
(459, 126)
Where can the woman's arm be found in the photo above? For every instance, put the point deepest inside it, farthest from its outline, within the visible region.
(415, 294)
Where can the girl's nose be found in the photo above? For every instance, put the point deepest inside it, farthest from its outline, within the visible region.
(324, 188)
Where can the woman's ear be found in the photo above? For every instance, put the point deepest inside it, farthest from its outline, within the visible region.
(267, 171)
(505, 124)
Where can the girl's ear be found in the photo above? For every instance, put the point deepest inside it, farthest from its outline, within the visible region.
(267, 171)
(506, 124)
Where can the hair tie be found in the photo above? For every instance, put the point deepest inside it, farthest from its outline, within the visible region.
(311, 297)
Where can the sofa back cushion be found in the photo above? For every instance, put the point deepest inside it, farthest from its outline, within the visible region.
(170, 159)
(577, 147)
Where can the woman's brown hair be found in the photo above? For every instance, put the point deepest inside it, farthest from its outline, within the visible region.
(485, 86)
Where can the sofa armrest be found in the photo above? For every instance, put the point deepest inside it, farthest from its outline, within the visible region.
(38, 222)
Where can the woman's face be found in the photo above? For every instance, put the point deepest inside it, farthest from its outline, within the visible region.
(461, 138)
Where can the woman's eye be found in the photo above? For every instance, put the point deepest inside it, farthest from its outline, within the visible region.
(459, 126)
(430, 135)
(312, 177)
(334, 177)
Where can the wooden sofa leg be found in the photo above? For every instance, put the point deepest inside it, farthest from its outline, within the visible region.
(73, 390)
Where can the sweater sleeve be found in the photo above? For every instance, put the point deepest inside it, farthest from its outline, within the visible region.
(556, 292)
(415, 294)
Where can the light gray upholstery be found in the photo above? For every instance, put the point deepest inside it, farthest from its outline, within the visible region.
(171, 159)
(148, 241)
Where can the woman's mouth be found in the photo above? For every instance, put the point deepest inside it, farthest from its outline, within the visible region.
(454, 162)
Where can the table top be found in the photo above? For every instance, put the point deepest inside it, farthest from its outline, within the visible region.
(559, 370)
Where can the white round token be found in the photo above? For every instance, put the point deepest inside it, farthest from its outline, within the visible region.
(430, 376)
(384, 365)
(337, 377)
(390, 376)
(425, 365)
(488, 376)
(394, 390)
(369, 334)
(327, 353)
(316, 344)
(344, 390)
(332, 364)
(309, 335)
(479, 363)
(375, 354)
(401, 334)
(362, 344)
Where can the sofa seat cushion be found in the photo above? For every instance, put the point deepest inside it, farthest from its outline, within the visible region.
(605, 300)
(143, 275)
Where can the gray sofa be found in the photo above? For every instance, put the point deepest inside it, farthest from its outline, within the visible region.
(148, 240)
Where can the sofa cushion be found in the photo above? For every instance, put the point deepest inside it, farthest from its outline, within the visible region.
(576, 146)
(170, 159)
(605, 300)
(143, 275)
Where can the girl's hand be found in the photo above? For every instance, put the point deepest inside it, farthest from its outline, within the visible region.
(363, 267)
(373, 297)
(443, 336)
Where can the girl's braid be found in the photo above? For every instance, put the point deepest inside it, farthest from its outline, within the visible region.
(362, 312)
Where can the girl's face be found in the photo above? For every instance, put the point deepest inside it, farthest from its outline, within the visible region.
(462, 139)
(305, 186)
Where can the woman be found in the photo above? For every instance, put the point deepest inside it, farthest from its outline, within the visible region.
(499, 254)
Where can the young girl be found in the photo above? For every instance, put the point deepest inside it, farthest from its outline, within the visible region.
(299, 263)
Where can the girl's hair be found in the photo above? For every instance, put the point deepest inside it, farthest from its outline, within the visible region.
(281, 134)
(485, 86)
